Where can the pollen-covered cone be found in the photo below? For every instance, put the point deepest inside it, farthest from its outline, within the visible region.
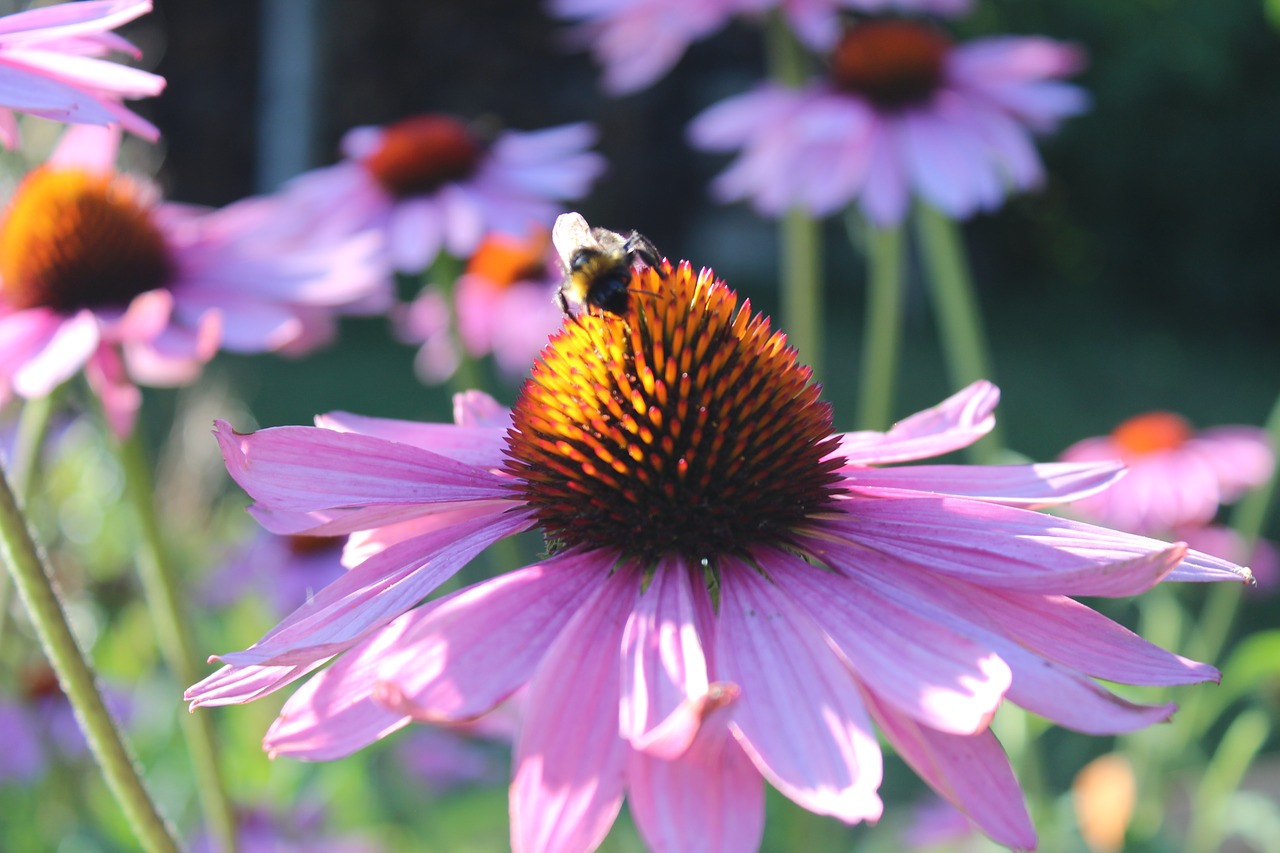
(733, 594)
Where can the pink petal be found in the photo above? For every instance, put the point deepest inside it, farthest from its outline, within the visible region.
(64, 20)
(479, 647)
(334, 713)
(235, 685)
(953, 424)
(147, 316)
(1198, 567)
(709, 801)
(1039, 685)
(62, 356)
(569, 759)
(799, 719)
(95, 75)
(1000, 546)
(481, 446)
(305, 469)
(477, 409)
(940, 677)
(1066, 631)
(120, 398)
(1015, 485)
(970, 771)
(664, 672)
(375, 592)
(87, 147)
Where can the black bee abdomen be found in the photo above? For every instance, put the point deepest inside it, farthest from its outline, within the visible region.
(609, 293)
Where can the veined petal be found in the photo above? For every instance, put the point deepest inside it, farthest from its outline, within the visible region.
(480, 446)
(334, 713)
(374, 593)
(568, 758)
(1000, 546)
(1064, 630)
(663, 666)
(709, 801)
(953, 424)
(799, 719)
(970, 771)
(1051, 690)
(480, 646)
(235, 685)
(926, 670)
(1015, 485)
(306, 469)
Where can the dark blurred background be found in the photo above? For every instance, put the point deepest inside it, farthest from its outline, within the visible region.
(1146, 274)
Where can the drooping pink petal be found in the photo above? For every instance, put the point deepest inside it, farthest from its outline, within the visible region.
(711, 800)
(926, 670)
(1052, 690)
(799, 717)
(999, 546)
(334, 713)
(953, 424)
(62, 356)
(120, 398)
(478, 409)
(375, 592)
(1066, 631)
(664, 671)
(307, 469)
(481, 446)
(569, 758)
(970, 771)
(363, 544)
(1015, 485)
(65, 20)
(235, 685)
(476, 649)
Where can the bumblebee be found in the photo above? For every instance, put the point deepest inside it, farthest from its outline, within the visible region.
(598, 264)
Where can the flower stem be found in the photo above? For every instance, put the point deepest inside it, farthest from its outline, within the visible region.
(32, 426)
(956, 306)
(160, 589)
(800, 233)
(35, 585)
(882, 332)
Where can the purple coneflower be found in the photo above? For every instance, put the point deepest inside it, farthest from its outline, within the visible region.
(432, 183)
(734, 592)
(97, 274)
(903, 112)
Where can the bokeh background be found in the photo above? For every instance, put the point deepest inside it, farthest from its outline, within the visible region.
(1145, 275)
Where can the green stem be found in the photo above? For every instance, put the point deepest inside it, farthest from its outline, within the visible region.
(956, 307)
(882, 333)
(160, 588)
(1240, 745)
(35, 585)
(32, 426)
(800, 234)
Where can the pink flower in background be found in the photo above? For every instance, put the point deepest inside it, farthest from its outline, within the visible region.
(734, 593)
(1178, 477)
(904, 112)
(638, 41)
(97, 274)
(503, 306)
(302, 831)
(431, 184)
(48, 67)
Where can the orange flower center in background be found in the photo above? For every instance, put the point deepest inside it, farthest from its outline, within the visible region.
(306, 546)
(685, 427)
(892, 63)
(421, 154)
(1152, 432)
(73, 240)
(503, 260)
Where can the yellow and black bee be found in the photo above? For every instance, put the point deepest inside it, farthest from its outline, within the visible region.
(598, 264)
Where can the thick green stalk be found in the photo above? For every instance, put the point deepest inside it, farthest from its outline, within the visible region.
(160, 587)
(882, 332)
(32, 426)
(955, 303)
(800, 234)
(35, 586)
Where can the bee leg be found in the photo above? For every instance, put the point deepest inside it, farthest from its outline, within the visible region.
(642, 247)
(563, 302)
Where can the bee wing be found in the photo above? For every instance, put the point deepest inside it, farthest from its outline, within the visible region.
(571, 233)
